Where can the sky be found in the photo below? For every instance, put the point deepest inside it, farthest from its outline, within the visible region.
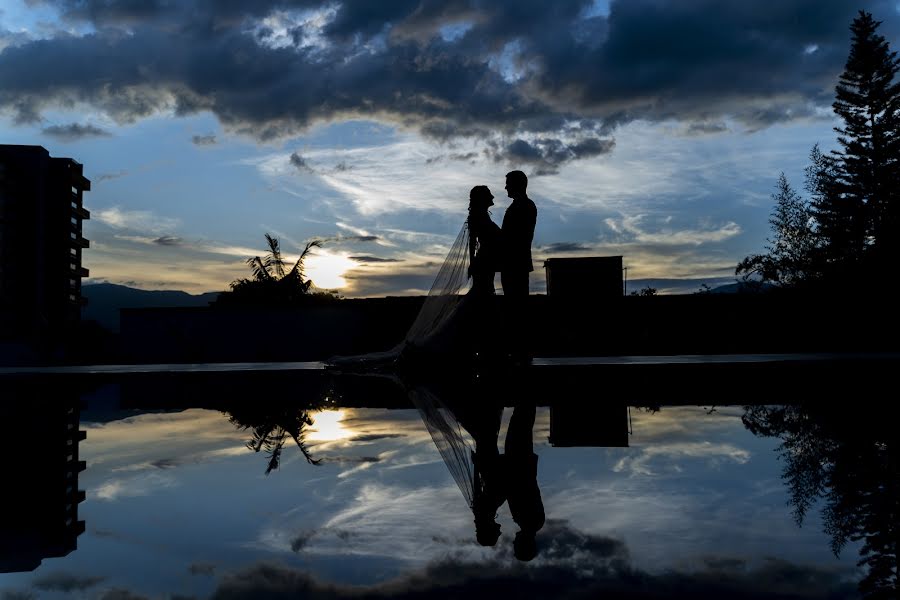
(177, 504)
(651, 129)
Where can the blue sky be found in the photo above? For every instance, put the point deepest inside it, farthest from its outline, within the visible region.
(655, 130)
(176, 503)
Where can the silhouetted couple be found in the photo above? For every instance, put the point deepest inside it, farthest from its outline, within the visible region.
(510, 477)
(449, 327)
(506, 249)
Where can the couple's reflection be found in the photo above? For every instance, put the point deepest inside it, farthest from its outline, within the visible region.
(465, 421)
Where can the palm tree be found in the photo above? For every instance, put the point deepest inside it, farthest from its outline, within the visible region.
(271, 282)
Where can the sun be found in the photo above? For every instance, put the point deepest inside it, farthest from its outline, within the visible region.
(326, 270)
(327, 427)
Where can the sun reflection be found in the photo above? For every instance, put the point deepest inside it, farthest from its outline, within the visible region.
(327, 270)
(327, 427)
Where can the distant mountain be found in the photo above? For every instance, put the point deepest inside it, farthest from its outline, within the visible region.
(740, 287)
(678, 286)
(105, 300)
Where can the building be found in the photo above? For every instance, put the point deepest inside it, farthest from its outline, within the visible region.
(585, 278)
(41, 245)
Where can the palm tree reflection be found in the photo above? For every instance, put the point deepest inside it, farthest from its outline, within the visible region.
(271, 427)
(850, 460)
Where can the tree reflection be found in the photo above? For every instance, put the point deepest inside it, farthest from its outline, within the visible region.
(271, 426)
(849, 460)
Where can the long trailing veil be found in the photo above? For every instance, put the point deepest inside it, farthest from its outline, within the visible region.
(454, 443)
(441, 303)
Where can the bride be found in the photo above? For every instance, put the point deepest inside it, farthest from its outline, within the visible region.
(451, 326)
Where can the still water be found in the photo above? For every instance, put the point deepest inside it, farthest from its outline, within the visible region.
(640, 501)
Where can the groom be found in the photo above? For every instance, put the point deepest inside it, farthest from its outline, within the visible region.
(517, 233)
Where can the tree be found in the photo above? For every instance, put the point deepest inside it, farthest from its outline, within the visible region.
(271, 283)
(270, 425)
(789, 256)
(849, 459)
(645, 291)
(866, 166)
(836, 222)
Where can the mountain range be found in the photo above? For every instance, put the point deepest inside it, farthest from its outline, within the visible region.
(105, 299)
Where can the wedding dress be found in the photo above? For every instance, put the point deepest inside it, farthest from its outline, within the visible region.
(435, 331)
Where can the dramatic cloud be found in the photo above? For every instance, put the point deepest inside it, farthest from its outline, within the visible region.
(543, 82)
(571, 564)
(204, 140)
(74, 132)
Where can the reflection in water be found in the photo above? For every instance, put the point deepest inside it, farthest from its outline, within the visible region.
(487, 478)
(849, 459)
(40, 466)
(271, 425)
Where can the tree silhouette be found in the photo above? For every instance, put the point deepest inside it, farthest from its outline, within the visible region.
(271, 426)
(790, 251)
(852, 221)
(868, 100)
(272, 284)
(850, 461)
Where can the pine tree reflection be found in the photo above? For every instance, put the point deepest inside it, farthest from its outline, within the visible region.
(849, 460)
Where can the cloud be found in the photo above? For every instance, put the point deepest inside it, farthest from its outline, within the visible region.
(138, 220)
(300, 540)
(61, 581)
(110, 176)
(546, 155)
(695, 129)
(74, 132)
(664, 234)
(168, 240)
(300, 163)
(17, 595)
(121, 594)
(129, 487)
(204, 140)
(372, 259)
(565, 247)
(571, 565)
(543, 80)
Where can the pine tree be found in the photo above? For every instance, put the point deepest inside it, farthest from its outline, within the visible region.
(790, 251)
(834, 220)
(867, 101)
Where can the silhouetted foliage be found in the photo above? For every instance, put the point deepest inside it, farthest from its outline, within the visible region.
(850, 460)
(271, 426)
(272, 284)
(790, 251)
(852, 220)
(645, 291)
(868, 100)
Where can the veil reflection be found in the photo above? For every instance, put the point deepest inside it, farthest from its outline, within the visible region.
(464, 422)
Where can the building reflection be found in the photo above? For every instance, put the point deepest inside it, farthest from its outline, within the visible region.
(40, 462)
